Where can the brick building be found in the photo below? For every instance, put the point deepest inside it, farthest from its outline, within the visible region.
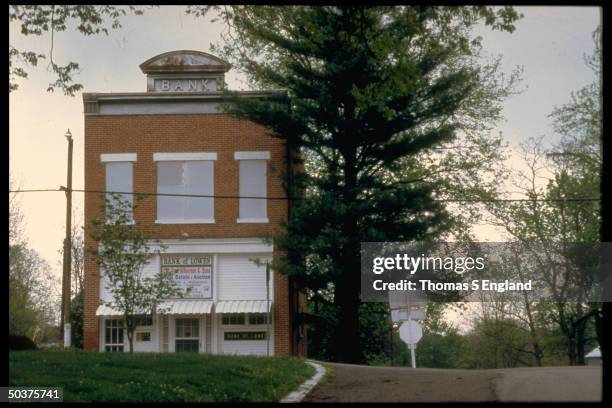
(173, 139)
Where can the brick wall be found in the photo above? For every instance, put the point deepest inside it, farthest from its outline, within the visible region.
(149, 134)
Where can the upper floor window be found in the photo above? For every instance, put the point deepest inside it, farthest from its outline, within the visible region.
(253, 185)
(119, 179)
(185, 174)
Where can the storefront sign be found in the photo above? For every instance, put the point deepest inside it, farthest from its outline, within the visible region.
(244, 335)
(191, 273)
(188, 85)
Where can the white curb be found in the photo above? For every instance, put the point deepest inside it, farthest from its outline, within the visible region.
(299, 394)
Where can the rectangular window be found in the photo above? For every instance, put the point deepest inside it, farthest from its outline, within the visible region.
(143, 320)
(257, 318)
(188, 178)
(189, 346)
(113, 336)
(187, 328)
(143, 336)
(119, 178)
(187, 335)
(233, 318)
(253, 183)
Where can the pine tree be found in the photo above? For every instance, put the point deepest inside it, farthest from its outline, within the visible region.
(364, 92)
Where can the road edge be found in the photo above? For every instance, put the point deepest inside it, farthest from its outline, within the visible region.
(307, 386)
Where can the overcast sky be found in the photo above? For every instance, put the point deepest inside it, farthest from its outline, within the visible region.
(549, 42)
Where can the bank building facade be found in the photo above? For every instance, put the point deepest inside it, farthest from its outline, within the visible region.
(175, 139)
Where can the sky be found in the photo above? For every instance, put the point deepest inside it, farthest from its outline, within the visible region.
(549, 42)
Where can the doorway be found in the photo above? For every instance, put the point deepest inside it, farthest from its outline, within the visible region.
(187, 335)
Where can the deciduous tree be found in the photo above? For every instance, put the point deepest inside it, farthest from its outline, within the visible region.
(123, 251)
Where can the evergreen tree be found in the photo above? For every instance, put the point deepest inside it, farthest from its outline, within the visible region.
(366, 92)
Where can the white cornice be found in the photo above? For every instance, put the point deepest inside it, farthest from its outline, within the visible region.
(118, 157)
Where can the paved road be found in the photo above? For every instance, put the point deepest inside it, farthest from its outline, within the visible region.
(354, 383)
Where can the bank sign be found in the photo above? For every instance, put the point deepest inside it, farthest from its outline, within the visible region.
(190, 273)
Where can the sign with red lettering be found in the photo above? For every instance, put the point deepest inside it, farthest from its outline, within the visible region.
(191, 273)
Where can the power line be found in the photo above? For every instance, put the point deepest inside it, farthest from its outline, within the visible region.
(461, 200)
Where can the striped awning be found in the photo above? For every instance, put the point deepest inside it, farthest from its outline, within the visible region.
(243, 306)
(171, 307)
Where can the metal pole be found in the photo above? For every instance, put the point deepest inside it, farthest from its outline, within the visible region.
(391, 338)
(268, 305)
(67, 249)
(412, 345)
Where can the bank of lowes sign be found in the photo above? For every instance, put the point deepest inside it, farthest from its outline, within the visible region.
(190, 273)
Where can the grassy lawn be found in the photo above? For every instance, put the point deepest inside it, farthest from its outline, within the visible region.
(158, 377)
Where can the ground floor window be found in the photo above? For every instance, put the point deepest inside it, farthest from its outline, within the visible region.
(241, 318)
(232, 318)
(187, 335)
(113, 335)
(143, 336)
(258, 318)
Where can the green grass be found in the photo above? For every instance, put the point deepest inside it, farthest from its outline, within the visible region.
(119, 377)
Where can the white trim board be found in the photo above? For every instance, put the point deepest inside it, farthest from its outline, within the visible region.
(215, 246)
(184, 156)
(118, 157)
(259, 155)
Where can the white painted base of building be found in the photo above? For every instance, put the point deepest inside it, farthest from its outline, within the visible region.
(197, 333)
(228, 315)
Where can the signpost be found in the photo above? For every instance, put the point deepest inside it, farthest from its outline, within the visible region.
(411, 332)
(408, 309)
(400, 315)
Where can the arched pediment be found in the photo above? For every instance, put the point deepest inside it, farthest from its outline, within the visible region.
(184, 61)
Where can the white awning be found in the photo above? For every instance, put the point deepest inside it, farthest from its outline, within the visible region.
(104, 310)
(171, 307)
(243, 306)
(178, 307)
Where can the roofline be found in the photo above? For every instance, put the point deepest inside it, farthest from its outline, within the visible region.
(172, 96)
(146, 67)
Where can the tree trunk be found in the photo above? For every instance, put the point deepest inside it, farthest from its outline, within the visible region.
(571, 349)
(346, 292)
(346, 342)
(599, 331)
(130, 334)
(580, 343)
(537, 351)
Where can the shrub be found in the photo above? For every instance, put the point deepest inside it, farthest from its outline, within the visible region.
(20, 343)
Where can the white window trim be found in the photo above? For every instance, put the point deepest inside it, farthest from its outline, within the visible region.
(187, 221)
(258, 155)
(118, 157)
(185, 156)
(252, 220)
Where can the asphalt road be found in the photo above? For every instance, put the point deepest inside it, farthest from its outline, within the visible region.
(354, 383)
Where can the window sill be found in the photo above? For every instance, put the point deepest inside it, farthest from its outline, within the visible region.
(195, 221)
(127, 223)
(252, 220)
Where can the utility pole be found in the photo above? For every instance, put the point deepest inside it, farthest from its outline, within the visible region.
(65, 323)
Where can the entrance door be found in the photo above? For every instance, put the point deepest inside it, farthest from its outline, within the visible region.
(187, 335)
